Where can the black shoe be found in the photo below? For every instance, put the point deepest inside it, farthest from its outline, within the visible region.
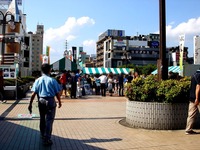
(42, 137)
(4, 101)
(190, 132)
(47, 142)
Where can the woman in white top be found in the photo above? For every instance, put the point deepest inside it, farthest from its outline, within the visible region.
(110, 85)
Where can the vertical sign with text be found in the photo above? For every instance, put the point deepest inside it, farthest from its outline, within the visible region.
(181, 50)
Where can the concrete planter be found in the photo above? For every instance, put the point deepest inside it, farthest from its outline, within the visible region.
(159, 116)
(10, 91)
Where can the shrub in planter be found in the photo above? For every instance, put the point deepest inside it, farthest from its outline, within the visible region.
(157, 105)
(22, 84)
(20, 81)
(151, 90)
(9, 82)
(28, 79)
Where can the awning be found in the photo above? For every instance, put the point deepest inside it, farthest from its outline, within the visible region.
(87, 70)
(175, 69)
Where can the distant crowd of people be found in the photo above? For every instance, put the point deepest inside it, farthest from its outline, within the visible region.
(74, 84)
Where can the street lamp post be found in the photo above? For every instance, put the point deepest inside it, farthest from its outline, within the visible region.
(18, 61)
(162, 62)
(126, 56)
(3, 22)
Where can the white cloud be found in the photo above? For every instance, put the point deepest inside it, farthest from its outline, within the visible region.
(84, 20)
(89, 46)
(189, 28)
(56, 37)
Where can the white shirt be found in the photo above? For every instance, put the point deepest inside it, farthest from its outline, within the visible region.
(103, 79)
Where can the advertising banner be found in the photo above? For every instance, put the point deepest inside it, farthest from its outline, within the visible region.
(9, 71)
(196, 50)
(119, 43)
(181, 49)
(48, 53)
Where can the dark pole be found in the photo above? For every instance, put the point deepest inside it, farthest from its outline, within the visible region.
(162, 62)
(3, 39)
(126, 59)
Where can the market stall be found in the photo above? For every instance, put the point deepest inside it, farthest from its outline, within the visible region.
(98, 70)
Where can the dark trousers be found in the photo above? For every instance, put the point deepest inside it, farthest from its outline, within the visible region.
(2, 94)
(47, 115)
(103, 89)
(97, 90)
(121, 89)
(73, 90)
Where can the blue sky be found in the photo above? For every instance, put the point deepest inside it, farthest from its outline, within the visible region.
(81, 21)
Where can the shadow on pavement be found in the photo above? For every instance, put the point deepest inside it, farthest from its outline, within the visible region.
(9, 109)
(21, 137)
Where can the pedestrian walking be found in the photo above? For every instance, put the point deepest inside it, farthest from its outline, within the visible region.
(63, 81)
(194, 100)
(97, 84)
(130, 77)
(2, 87)
(103, 81)
(121, 84)
(46, 88)
(73, 83)
(68, 85)
(110, 84)
(79, 88)
(59, 83)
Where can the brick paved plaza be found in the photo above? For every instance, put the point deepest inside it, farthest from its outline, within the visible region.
(90, 123)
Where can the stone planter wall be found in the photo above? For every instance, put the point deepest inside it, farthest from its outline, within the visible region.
(159, 116)
(10, 91)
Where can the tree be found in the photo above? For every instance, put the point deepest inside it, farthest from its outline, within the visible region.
(145, 70)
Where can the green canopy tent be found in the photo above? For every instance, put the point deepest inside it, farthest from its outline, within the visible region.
(98, 70)
(175, 69)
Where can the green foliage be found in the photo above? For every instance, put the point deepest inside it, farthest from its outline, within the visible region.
(9, 82)
(147, 69)
(28, 79)
(20, 81)
(144, 70)
(133, 89)
(166, 91)
(149, 88)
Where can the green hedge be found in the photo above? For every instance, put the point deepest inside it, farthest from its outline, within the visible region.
(149, 89)
(20, 81)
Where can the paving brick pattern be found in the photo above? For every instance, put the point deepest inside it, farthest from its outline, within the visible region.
(91, 123)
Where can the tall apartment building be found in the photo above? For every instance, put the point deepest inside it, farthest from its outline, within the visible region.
(114, 49)
(37, 48)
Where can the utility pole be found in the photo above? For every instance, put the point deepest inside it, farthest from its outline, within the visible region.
(162, 62)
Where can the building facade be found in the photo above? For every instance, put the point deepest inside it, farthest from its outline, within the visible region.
(114, 49)
(12, 42)
(37, 48)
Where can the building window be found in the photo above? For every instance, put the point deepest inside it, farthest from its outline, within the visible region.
(108, 55)
(119, 63)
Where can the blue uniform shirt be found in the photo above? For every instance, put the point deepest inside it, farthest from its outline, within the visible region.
(46, 86)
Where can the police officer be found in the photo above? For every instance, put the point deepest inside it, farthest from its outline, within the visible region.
(46, 88)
